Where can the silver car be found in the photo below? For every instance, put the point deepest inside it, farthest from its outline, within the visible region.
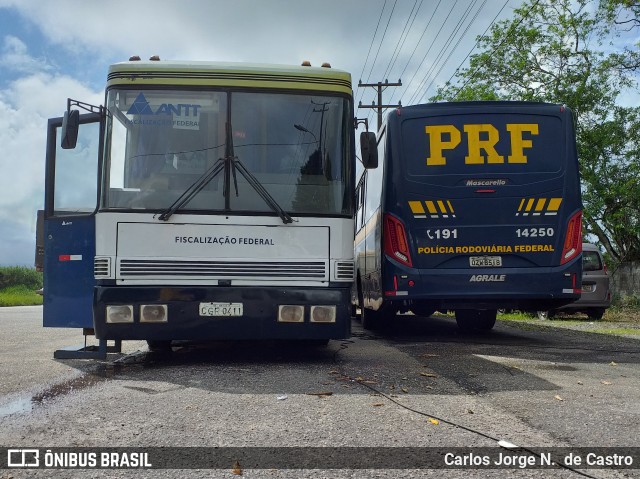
(596, 295)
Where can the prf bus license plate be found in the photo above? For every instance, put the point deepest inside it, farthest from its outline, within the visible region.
(220, 309)
(485, 261)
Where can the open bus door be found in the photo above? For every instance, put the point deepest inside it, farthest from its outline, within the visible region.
(71, 196)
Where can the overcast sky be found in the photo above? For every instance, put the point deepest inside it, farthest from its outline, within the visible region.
(51, 50)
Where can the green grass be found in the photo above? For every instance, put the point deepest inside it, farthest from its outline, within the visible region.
(18, 286)
(19, 296)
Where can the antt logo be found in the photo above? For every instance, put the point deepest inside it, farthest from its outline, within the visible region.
(481, 140)
(140, 106)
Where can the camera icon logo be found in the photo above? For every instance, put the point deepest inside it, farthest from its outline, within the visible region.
(23, 458)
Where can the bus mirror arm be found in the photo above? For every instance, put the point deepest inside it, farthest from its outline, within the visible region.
(71, 122)
(369, 149)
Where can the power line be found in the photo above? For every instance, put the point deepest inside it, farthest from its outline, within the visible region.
(417, 44)
(430, 47)
(522, 19)
(373, 64)
(401, 40)
(478, 41)
(384, 34)
(372, 40)
(433, 79)
(417, 93)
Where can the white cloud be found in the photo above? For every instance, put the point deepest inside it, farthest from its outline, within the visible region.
(15, 57)
(24, 109)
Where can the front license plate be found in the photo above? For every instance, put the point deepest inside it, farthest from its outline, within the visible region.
(220, 309)
(485, 261)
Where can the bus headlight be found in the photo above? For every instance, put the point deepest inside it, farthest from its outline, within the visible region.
(323, 314)
(154, 313)
(120, 314)
(290, 313)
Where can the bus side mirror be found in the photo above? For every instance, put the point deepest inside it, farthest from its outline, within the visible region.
(70, 125)
(369, 149)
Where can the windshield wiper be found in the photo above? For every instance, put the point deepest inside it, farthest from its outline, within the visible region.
(236, 164)
(195, 188)
(230, 163)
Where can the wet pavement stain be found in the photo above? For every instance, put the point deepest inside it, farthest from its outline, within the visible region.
(98, 374)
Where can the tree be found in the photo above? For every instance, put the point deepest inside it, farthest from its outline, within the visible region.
(564, 51)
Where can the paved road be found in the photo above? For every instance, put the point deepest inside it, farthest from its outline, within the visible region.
(423, 384)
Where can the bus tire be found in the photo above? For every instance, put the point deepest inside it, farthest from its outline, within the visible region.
(157, 345)
(476, 319)
(371, 319)
(422, 310)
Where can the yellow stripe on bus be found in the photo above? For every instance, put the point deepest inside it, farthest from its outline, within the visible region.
(416, 207)
(442, 207)
(540, 204)
(431, 207)
(450, 207)
(529, 204)
(554, 204)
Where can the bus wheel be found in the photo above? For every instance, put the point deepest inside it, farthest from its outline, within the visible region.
(422, 310)
(371, 319)
(476, 319)
(159, 345)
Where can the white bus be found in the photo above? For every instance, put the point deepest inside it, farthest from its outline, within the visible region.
(203, 201)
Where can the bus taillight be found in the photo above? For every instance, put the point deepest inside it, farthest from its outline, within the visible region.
(395, 240)
(573, 239)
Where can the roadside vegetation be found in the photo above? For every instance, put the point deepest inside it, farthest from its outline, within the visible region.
(621, 319)
(18, 286)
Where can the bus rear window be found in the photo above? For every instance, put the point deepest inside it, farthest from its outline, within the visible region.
(493, 144)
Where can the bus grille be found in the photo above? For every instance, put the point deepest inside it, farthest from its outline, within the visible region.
(344, 270)
(206, 269)
(102, 267)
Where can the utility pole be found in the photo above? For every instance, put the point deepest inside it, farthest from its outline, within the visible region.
(380, 87)
(321, 110)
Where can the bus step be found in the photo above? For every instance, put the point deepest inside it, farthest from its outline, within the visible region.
(89, 352)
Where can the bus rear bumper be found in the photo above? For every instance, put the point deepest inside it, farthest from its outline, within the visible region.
(509, 288)
(259, 319)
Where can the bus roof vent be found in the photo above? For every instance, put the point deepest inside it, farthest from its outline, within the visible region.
(154, 58)
(326, 65)
(306, 63)
(134, 58)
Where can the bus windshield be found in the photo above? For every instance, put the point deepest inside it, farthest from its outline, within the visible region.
(159, 142)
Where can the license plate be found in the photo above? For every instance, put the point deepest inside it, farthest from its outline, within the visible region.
(220, 309)
(485, 261)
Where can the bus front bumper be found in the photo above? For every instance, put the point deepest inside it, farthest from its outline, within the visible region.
(183, 313)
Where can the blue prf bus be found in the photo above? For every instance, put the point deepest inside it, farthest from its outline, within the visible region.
(470, 207)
